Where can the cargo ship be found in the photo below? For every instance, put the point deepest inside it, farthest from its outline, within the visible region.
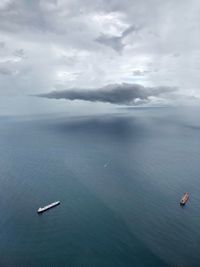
(184, 198)
(54, 204)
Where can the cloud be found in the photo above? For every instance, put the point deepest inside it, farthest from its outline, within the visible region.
(2, 45)
(19, 53)
(115, 42)
(4, 4)
(114, 93)
(140, 72)
(5, 71)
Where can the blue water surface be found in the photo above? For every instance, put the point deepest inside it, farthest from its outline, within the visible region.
(119, 178)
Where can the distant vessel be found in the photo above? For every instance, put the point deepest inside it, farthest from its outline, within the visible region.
(40, 210)
(184, 198)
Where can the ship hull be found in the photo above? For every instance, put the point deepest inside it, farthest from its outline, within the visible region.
(41, 210)
(184, 199)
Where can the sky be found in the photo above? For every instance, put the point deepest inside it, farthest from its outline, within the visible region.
(97, 51)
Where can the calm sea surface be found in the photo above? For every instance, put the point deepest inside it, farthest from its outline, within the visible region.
(119, 178)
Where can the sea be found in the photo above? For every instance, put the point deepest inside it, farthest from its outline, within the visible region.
(119, 177)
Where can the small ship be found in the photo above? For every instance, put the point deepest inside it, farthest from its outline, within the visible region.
(54, 204)
(184, 198)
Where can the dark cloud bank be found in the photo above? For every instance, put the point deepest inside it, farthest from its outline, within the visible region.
(115, 93)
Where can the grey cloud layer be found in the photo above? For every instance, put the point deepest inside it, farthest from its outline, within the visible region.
(74, 44)
(114, 93)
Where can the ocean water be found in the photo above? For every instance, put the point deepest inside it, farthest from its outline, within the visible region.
(119, 178)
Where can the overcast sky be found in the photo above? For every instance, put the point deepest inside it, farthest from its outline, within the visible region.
(56, 45)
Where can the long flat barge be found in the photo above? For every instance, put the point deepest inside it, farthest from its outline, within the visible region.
(184, 198)
(45, 208)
